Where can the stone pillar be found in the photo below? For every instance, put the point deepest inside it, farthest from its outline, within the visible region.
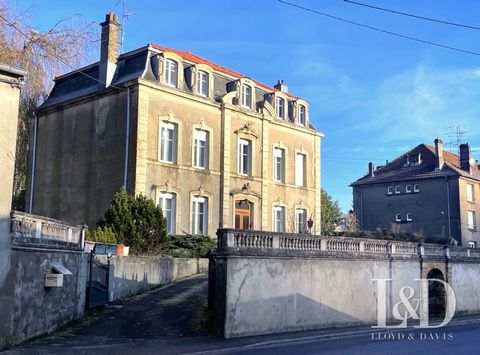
(225, 215)
(10, 83)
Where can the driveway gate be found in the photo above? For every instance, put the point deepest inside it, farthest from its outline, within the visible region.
(97, 290)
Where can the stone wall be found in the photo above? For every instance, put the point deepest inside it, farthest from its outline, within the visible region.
(271, 283)
(130, 275)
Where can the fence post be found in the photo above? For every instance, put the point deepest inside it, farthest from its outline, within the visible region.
(276, 242)
(230, 240)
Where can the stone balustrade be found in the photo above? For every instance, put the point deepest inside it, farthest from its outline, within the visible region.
(30, 230)
(255, 242)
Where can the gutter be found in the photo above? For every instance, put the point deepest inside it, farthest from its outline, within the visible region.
(127, 139)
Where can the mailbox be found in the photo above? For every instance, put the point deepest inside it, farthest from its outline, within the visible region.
(54, 280)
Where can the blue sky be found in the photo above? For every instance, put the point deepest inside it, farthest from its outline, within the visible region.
(373, 95)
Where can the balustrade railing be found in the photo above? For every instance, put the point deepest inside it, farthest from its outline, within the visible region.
(229, 239)
(24, 225)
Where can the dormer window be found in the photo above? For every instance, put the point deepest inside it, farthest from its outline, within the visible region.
(202, 83)
(302, 115)
(246, 96)
(280, 107)
(171, 72)
(413, 159)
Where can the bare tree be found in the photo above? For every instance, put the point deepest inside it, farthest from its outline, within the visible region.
(43, 54)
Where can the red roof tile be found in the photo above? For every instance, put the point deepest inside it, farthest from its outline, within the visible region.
(199, 60)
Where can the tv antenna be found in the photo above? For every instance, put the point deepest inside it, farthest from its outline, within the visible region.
(125, 16)
(456, 135)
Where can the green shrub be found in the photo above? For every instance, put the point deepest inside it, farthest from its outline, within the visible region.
(102, 235)
(136, 222)
(189, 246)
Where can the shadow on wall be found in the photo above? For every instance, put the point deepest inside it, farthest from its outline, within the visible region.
(130, 275)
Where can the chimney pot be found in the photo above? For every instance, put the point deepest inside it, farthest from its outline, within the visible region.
(109, 48)
(371, 169)
(439, 159)
(281, 86)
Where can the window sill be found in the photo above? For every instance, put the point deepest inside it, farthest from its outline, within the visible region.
(167, 162)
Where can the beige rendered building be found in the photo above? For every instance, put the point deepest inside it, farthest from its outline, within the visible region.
(214, 148)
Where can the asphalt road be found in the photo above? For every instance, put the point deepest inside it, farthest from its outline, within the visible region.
(175, 320)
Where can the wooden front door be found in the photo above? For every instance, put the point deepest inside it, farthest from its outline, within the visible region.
(243, 215)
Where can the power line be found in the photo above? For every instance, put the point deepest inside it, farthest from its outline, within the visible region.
(379, 29)
(11, 24)
(412, 15)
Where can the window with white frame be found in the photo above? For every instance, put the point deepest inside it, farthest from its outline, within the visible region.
(199, 215)
(397, 189)
(300, 170)
(398, 217)
(279, 219)
(389, 190)
(171, 72)
(470, 194)
(300, 220)
(302, 115)
(200, 148)
(471, 220)
(416, 188)
(167, 202)
(244, 157)
(472, 244)
(246, 96)
(168, 142)
(280, 107)
(409, 217)
(202, 83)
(279, 164)
(408, 189)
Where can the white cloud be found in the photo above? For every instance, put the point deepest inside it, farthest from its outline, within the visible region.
(421, 104)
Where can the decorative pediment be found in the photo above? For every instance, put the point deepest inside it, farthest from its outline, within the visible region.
(200, 191)
(246, 129)
(246, 190)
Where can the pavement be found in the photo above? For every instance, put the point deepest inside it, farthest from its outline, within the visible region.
(174, 319)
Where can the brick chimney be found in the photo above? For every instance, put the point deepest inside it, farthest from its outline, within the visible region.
(281, 86)
(109, 49)
(371, 169)
(439, 160)
(465, 156)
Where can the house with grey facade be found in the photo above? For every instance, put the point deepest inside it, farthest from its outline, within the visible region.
(426, 191)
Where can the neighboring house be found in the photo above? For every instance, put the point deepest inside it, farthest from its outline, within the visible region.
(427, 191)
(212, 147)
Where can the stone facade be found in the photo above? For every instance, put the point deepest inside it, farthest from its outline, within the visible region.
(97, 137)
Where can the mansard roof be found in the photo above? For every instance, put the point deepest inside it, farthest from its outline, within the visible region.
(397, 170)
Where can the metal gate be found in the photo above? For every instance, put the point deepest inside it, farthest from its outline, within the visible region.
(97, 290)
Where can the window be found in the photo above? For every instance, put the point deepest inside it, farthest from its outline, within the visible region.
(279, 164)
(168, 142)
(244, 157)
(472, 244)
(408, 189)
(202, 83)
(301, 220)
(416, 188)
(397, 189)
(280, 107)
(471, 220)
(279, 219)
(199, 215)
(167, 202)
(200, 149)
(470, 195)
(302, 115)
(300, 169)
(398, 217)
(171, 72)
(389, 190)
(409, 217)
(246, 95)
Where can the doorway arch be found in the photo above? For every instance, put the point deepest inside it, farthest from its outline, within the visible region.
(437, 297)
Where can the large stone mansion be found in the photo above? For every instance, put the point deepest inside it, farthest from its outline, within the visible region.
(212, 147)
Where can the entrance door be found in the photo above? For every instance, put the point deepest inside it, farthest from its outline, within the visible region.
(436, 294)
(243, 214)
